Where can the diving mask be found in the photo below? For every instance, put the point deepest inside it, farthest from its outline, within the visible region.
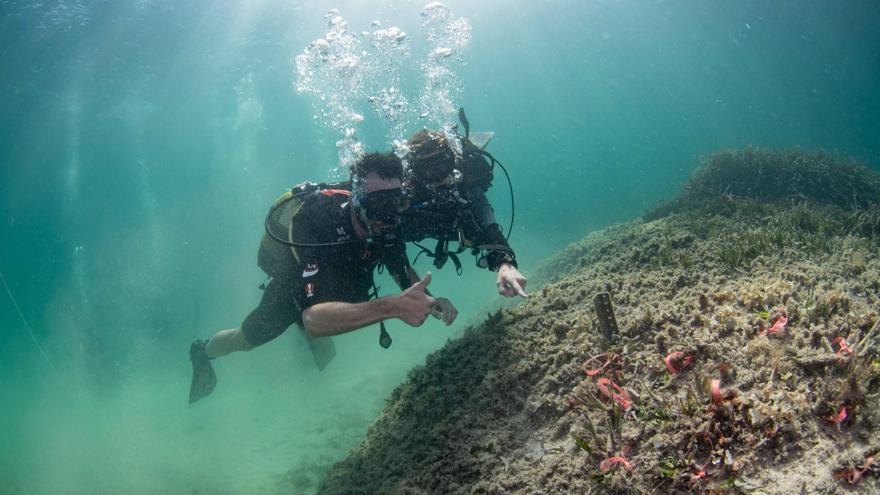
(385, 205)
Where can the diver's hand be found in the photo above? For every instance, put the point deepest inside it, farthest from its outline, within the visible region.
(413, 304)
(444, 311)
(510, 281)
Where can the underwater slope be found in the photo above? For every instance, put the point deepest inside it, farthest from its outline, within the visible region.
(759, 285)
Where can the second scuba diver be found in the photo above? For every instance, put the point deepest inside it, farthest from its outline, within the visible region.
(447, 176)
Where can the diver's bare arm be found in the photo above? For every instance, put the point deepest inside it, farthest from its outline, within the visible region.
(334, 318)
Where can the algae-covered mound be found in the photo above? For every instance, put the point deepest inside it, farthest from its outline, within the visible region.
(746, 359)
(767, 176)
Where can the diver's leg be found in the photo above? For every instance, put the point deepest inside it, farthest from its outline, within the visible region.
(226, 341)
(276, 312)
(202, 352)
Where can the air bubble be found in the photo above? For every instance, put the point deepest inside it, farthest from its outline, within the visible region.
(346, 70)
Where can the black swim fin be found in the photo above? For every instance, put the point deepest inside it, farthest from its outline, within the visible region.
(203, 379)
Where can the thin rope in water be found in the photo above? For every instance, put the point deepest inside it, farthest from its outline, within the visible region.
(23, 320)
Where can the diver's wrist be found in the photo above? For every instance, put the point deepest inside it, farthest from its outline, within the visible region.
(498, 258)
(387, 307)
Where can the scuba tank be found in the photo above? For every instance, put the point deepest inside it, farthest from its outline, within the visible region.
(278, 255)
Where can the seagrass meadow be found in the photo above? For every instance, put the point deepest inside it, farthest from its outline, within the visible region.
(746, 360)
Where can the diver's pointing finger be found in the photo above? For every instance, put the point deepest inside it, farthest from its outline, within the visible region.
(518, 290)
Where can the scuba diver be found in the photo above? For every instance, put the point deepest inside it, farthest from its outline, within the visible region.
(446, 177)
(320, 249)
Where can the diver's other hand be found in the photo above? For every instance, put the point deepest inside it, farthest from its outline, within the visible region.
(444, 310)
(510, 281)
(413, 304)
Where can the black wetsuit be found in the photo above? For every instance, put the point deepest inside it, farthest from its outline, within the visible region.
(342, 272)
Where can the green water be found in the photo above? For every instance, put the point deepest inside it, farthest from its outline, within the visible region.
(142, 142)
